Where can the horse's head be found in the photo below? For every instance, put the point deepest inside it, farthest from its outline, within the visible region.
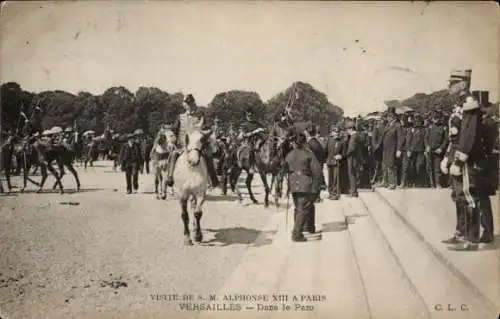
(195, 143)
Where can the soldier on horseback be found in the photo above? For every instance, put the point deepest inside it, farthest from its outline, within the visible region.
(254, 134)
(185, 124)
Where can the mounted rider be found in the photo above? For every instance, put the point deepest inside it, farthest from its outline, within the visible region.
(185, 124)
(253, 133)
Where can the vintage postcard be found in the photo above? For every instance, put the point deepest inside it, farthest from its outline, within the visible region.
(249, 159)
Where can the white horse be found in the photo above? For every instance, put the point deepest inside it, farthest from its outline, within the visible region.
(163, 145)
(191, 182)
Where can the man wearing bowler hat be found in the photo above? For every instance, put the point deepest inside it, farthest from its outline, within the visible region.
(130, 161)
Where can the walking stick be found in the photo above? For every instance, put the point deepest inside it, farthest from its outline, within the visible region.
(287, 205)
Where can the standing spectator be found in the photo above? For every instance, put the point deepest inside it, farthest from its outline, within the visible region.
(416, 151)
(436, 143)
(131, 159)
(389, 148)
(354, 157)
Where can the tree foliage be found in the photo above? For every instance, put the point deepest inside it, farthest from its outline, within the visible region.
(121, 110)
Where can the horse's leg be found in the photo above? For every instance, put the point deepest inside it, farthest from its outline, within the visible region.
(61, 173)
(75, 175)
(157, 180)
(263, 177)
(43, 169)
(57, 177)
(198, 213)
(248, 182)
(185, 220)
(274, 179)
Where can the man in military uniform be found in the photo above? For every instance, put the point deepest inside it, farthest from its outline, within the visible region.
(130, 161)
(254, 133)
(459, 85)
(185, 124)
(436, 141)
(305, 181)
(334, 151)
(354, 157)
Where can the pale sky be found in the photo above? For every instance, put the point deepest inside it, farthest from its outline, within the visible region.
(210, 47)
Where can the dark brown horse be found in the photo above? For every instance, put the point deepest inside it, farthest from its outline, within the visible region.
(268, 159)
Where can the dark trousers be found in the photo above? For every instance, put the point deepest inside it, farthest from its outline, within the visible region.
(352, 170)
(461, 211)
(209, 160)
(486, 217)
(436, 169)
(310, 219)
(472, 225)
(304, 204)
(132, 176)
(405, 169)
(333, 179)
(390, 176)
(418, 163)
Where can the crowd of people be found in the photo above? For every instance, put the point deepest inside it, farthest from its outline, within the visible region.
(393, 151)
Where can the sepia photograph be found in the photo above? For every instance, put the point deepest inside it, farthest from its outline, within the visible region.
(249, 159)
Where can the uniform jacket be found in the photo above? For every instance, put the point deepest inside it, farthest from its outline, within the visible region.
(470, 143)
(305, 171)
(315, 146)
(436, 137)
(187, 122)
(130, 154)
(334, 146)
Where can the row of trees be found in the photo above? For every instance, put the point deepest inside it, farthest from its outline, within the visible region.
(149, 107)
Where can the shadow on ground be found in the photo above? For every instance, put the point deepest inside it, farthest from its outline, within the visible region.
(240, 235)
(66, 191)
(334, 227)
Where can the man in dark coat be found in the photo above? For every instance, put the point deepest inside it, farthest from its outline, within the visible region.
(402, 152)
(378, 177)
(416, 151)
(334, 151)
(146, 147)
(468, 167)
(130, 160)
(354, 155)
(315, 146)
(390, 138)
(436, 140)
(305, 182)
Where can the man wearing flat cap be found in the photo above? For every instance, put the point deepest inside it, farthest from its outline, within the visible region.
(305, 181)
(130, 161)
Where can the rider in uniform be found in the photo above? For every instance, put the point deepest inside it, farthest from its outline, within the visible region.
(254, 133)
(184, 125)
